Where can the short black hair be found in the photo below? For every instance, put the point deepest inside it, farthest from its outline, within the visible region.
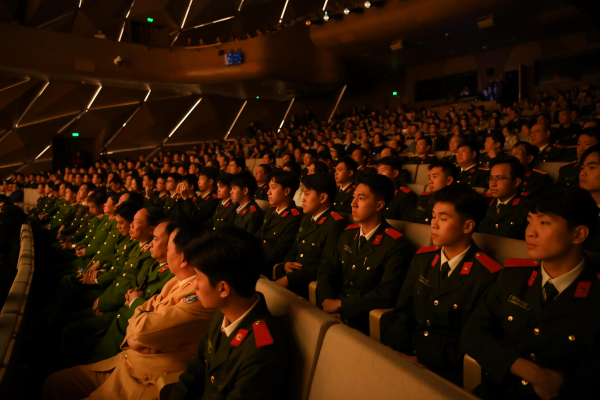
(530, 149)
(127, 210)
(427, 140)
(294, 167)
(516, 168)
(498, 137)
(114, 196)
(175, 176)
(393, 151)
(136, 197)
(474, 147)
(312, 152)
(187, 232)
(595, 149)
(229, 255)
(151, 176)
(225, 179)
(324, 155)
(155, 215)
(270, 155)
(287, 180)
(266, 168)
(245, 180)
(381, 186)
(191, 180)
(572, 203)
(321, 184)
(320, 168)
(363, 151)
(210, 173)
(393, 162)
(593, 132)
(240, 162)
(467, 202)
(350, 164)
(447, 167)
(98, 198)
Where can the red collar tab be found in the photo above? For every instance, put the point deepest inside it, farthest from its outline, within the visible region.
(146, 247)
(516, 202)
(295, 212)
(487, 262)
(524, 194)
(532, 278)
(393, 233)
(239, 337)
(583, 289)
(228, 203)
(405, 189)
(215, 196)
(435, 260)
(261, 334)
(352, 227)
(284, 214)
(252, 209)
(163, 269)
(336, 216)
(466, 268)
(492, 202)
(521, 262)
(396, 192)
(472, 170)
(527, 175)
(428, 249)
(355, 236)
(425, 193)
(548, 148)
(245, 211)
(377, 239)
(322, 220)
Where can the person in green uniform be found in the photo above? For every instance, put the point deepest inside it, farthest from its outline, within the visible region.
(568, 174)
(533, 179)
(453, 143)
(589, 179)
(318, 236)
(441, 174)
(470, 173)
(282, 220)
(200, 209)
(506, 214)
(422, 152)
(426, 321)
(361, 158)
(244, 354)
(161, 194)
(345, 173)
(403, 203)
(261, 174)
(535, 334)
(493, 147)
(172, 186)
(225, 213)
(249, 216)
(371, 259)
(539, 136)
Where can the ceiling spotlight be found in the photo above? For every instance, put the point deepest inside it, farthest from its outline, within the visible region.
(308, 23)
(346, 11)
(325, 17)
(367, 4)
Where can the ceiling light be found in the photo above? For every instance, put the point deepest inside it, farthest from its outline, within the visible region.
(325, 17)
(367, 4)
(346, 11)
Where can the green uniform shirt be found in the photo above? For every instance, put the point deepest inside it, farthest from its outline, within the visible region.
(552, 153)
(568, 174)
(343, 199)
(506, 220)
(474, 177)
(224, 215)
(416, 159)
(402, 206)
(277, 233)
(535, 180)
(424, 208)
(249, 218)
(261, 192)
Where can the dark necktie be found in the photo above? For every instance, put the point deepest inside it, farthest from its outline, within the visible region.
(444, 272)
(551, 293)
(362, 241)
(500, 207)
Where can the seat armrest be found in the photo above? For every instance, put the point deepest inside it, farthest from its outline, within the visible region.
(278, 271)
(471, 373)
(312, 292)
(379, 321)
(165, 384)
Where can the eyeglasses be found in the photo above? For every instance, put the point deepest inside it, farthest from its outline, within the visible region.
(494, 180)
(516, 153)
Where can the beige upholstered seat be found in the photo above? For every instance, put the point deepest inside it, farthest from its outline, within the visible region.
(422, 174)
(15, 299)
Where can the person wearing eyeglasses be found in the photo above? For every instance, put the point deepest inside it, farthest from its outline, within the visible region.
(533, 179)
(506, 215)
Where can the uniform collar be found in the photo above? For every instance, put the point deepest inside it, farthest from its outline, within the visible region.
(343, 188)
(466, 169)
(454, 261)
(316, 217)
(544, 147)
(563, 281)
(228, 329)
(370, 234)
(241, 208)
(184, 282)
(504, 202)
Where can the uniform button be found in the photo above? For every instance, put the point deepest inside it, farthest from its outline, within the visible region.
(510, 318)
(264, 241)
(425, 333)
(303, 241)
(571, 338)
(274, 233)
(512, 223)
(212, 379)
(426, 219)
(351, 284)
(496, 225)
(428, 323)
(126, 356)
(387, 208)
(524, 382)
(301, 255)
(98, 251)
(536, 331)
(112, 267)
(455, 306)
(313, 244)
(124, 274)
(354, 266)
(532, 356)
(435, 302)
(118, 315)
(117, 283)
(214, 229)
(148, 290)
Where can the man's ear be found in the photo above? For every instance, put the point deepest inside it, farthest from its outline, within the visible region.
(580, 234)
(224, 289)
(380, 205)
(469, 226)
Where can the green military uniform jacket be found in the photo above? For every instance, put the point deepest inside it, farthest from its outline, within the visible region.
(485, 159)
(158, 199)
(365, 170)
(87, 230)
(511, 322)
(104, 227)
(169, 204)
(224, 215)
(277, 233)
(315, 242)
(114, 296)
(402, 206)
(429, 316)
(368, 278)
(80, 217)
(535, 180)
(474, 177)
(58, 213)
(343, 199)
(158, 275)
(252, 363)
(451, 158)
(510, 221)
(416, 159)
(424, 208)
(114, 265)
(197, 209)
(568, 174)
(250, 218)
(552, 153)
(261, 192)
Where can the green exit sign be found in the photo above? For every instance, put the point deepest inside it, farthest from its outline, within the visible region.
(150, 20)
(75, 134)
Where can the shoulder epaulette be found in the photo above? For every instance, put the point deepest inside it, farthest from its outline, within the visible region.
(428, 249)
(405, 189)
(336, 216)
(516, 202)
(261, 334)
(569, 163)
(252, 209)
(521, 262)
(560, 146)
(487, 262)
(239, 337)
(483, 169)
(393, 233)
(352, 227)
(541, 172)
(487, 194)
(425, 193)
(295, 212)
(525, 194)
(215, 196)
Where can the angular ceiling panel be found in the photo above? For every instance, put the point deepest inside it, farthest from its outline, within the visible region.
(113, 96)
(107, 15)
(40, 11)
(152, 123)
(157, 95)
(204, 11)
(14, 102)
(62, 24)
(266, 114)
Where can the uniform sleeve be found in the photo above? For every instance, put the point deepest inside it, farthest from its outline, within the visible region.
(206, 212)
(191, 381)
(329, 273)
(256, 220)
(384, 294)
(399, 334)
(408, 207)
(276, 253)
(482, 336)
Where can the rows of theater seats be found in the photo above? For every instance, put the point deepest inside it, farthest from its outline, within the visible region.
(13, 311)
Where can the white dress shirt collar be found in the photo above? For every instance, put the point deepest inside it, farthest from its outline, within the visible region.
(228, 329)
(563, 281)
(453, 263)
